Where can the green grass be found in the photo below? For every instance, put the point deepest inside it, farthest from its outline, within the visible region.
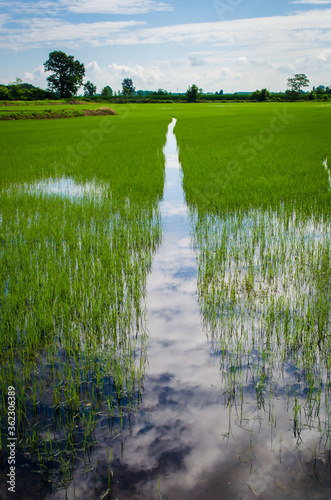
(117, 149)
(254, 155)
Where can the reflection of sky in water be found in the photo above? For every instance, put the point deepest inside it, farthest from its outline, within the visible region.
(183, 433)
(325, 164)
(66, 187)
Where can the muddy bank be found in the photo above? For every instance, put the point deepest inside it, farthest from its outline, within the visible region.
(51, 115)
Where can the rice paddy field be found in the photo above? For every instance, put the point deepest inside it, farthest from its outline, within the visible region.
(165, 303)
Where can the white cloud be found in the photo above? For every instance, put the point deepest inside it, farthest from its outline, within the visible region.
(197, 61)
(28, 76)
(312, 2)
(39, 32)
(3, 19)
(219, 72)
(325, 56)
(163, 75)
(272, 31)
(144, 77)
(47, 8)
(298, 31)
(115, 6)
(43, 8)
(242, 54)
(36, 76)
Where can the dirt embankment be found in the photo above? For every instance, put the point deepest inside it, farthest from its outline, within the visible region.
(99, 112)
(51, 115)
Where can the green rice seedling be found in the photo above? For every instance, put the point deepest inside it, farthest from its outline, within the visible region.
(241, 156)
(75, 255)
(283, 318)
(260, 211)
(158, 488)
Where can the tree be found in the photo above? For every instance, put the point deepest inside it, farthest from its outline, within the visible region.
(67, 74)
(4, 93)
(127, 86)
(89, 89)
(311, 96)
(192, 93)
(15, 89)
(260, 95)
(107, 92)
(18, 81)
(320, 89)
(160, 92)
(298, 81)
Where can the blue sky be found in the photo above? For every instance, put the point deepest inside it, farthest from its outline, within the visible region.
(234, 45)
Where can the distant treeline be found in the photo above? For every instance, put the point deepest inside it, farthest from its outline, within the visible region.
(20, 91)
(24, 92)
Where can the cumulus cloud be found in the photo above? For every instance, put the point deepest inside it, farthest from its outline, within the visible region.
(163, 75)
(220, 72)
(324, 56)
(28, 76)
(37, 76)
(143, 77)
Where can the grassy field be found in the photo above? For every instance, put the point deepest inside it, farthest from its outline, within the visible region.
(111, 148)
(79, 223)
(248, 155)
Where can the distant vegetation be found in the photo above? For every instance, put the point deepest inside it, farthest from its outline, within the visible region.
(67, 78)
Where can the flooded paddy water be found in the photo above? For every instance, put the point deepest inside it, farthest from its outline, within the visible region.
(232, 397)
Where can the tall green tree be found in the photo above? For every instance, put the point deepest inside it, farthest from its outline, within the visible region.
(127, 86)
(260, 95)
(296, 83)
(89, 89)
(193, 93)
(107, 91)
(4, 93)
(67, 74)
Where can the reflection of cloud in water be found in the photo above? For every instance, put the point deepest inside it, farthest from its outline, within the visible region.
(65, 187)
(170, 149)
(179, 436)
(325, 164)
(169, 208)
